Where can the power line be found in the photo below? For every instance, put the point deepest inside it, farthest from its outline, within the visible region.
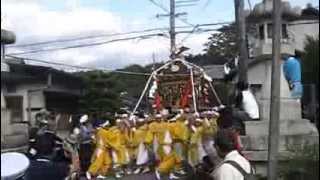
(78, 67)
(110, 35)
(87, 37)
(87, 45)
(185, 38)
(105, 42)
(167, 11)
(92, 68)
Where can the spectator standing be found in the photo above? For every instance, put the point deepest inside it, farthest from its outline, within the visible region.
(246, 103)
(43, 166)
(225, 145)
(292, 73)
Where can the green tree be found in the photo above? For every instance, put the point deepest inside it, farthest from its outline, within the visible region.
(310, 61)
(108, 92)
(100, 93)
(223, 44)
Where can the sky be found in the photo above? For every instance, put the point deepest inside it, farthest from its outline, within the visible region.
(45, 20)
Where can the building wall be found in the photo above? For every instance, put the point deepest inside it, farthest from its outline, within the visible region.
(300, 29)
(297, 31)
(261, 74)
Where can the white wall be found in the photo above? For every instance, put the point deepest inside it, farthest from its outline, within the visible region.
(300, 29)
(261, 74)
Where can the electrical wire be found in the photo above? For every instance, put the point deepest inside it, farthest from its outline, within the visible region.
(110, 35)
(76, 66)
(85, 45)
(167, 11)
(110, 41)
(86, 37)
(93, 68)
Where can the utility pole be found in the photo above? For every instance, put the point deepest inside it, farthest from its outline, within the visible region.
(273, 146)
(172, 29)
(241, 38)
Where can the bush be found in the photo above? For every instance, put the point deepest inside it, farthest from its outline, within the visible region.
(302, 163)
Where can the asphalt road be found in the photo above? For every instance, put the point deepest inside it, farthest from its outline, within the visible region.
(152, 176)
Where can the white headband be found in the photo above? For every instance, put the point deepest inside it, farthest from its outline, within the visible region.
(84, 118)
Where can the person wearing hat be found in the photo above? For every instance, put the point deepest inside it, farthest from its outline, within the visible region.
(10, 169)
(85, 142)
(101, 161)
(43, 166)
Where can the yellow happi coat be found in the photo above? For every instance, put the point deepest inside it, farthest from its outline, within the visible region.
(101, 160)
(118, 143)
(195, 141)
(158, 130)
(180, 134)
(135, 138)
(210, 127)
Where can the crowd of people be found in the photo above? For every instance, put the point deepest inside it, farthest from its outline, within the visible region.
(165, 143)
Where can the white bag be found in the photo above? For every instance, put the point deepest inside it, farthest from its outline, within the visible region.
(142, 157)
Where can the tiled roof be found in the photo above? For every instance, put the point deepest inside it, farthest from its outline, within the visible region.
(215, 71)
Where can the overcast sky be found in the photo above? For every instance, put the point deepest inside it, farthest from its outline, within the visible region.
(43, 20)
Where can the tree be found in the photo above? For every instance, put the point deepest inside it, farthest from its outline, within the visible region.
(310, 61)
(310, 75)
(100, 93)
(108, 92)
(220, 48)
(223, 44)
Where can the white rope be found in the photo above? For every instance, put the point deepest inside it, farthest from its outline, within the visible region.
(147, 85)
(141, 96)
(193, 92)
(215, 93)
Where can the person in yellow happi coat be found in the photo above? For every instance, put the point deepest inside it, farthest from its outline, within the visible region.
(159, 131)
(209, 124)
(180, 136)
(195, 142)
(138, 151)
(118, 142)
(101, 161)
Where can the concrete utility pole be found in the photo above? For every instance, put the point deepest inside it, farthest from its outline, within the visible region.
(172, 29)
(242, 44)
(273, 145)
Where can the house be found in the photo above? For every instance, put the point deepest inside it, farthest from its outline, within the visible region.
(296, 25)
(25, 90)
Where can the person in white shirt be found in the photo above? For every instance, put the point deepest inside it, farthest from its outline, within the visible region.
(245, 101)
(226, 149)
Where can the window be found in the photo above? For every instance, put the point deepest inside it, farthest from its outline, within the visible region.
(261, 31)
(14, 104)
(269, 31)
(284, 31)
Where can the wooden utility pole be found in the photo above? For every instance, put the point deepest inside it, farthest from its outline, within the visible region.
(172, 29)
(273, 146)
(242, 44)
